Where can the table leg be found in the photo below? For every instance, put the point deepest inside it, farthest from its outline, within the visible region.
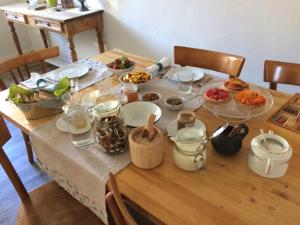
(28, 147)
(100, 37)
(44, 37)
(72, 48)
(17, 41)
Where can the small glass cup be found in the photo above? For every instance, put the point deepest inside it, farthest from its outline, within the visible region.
(131, 91)
(185, 80)
(79, 124)
(105, 86)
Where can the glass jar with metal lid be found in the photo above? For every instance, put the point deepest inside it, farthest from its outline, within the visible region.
(109, 126)
(189, 149)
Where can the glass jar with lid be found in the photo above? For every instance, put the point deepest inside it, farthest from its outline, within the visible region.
(269, 160)
(109, 126)
(189, 149)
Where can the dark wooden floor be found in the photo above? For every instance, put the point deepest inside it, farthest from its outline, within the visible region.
(30, 174)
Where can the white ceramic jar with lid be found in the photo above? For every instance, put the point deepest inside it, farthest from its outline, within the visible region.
(189, 149)
(269, 161)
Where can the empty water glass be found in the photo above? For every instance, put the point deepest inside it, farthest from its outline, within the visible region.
(79, 124)
(185, 80)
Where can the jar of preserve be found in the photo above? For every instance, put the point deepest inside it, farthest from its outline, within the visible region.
(185, 119)
(131, 91)
(109, 126)
(189, 149)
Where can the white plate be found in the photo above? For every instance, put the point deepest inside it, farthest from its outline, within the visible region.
(172, 127)
(136, 113)
(172, 73)
(71, 71)
(63, 126)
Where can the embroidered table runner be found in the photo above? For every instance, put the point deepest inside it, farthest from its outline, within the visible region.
(83, 173)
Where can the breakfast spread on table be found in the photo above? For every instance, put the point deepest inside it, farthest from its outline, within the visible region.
(109, 120)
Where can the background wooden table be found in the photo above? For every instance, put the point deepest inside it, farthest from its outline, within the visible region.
(68, 22)
(227, 193)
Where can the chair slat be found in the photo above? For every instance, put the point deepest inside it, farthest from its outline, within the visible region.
(117, 196)
(20, 74)
(14, 77)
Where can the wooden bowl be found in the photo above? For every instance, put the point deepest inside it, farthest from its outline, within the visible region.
(146, 156)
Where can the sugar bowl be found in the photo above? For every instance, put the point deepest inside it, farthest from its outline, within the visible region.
(269, 155)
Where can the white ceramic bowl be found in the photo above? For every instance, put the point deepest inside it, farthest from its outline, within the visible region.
(121, 71)
(136, 113)
(174, 107)
(150, 92)
(140, 85)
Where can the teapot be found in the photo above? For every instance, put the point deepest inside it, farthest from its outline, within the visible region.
(229, 140)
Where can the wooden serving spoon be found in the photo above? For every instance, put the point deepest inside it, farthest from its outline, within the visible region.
(149, 131)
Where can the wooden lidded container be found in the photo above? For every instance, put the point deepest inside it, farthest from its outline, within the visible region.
(146, 155)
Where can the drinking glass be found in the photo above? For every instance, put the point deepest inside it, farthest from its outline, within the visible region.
(79, 124)
(105, 86)
(185, 80)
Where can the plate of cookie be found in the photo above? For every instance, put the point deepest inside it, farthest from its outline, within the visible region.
(235, 99)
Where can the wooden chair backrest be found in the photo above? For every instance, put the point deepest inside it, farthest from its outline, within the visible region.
(281, 72)
(211, 60)
(115, 203)
(23, 61)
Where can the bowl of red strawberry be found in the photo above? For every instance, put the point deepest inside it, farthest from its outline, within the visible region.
(121, 65)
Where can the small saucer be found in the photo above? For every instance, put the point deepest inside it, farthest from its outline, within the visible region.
(62, 125)
(172, 127)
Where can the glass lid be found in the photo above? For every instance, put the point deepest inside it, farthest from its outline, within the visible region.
(107, 107)
(190, 135)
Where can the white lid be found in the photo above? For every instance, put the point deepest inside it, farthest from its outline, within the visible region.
(278, 147)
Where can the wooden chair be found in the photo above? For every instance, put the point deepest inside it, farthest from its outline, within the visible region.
(14, 67)
(47, 205)
(116, 205)
(217, 61)
(281, 72)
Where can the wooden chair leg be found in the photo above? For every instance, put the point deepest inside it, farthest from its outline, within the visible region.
(13, 176)
(28, 147)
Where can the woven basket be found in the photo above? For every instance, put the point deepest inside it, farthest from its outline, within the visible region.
(33, 111)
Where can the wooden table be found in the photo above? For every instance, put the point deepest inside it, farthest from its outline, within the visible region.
(68, 22)
(228, 192)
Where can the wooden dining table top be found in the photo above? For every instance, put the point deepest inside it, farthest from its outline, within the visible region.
(227, 192)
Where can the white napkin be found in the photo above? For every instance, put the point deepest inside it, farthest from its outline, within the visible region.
(31, 82)
(165, 62)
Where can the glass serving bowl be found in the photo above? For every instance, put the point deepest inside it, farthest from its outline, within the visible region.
(233, 110)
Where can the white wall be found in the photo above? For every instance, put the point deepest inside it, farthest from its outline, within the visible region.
(255, 29)
(7, 46)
